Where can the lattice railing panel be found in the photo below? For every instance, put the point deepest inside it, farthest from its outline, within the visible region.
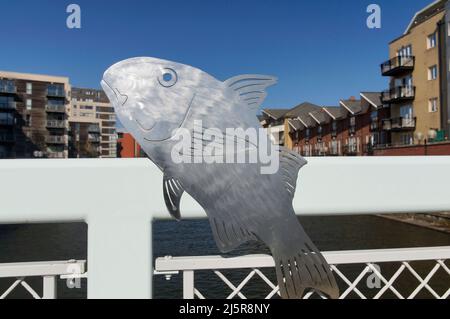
(399, 280)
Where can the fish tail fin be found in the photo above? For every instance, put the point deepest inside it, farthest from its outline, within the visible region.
(300, 267)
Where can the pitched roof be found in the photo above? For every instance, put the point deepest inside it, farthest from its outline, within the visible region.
(335, 112)
(276, 114)
(426, 13)
(302, 109)
(295, 125)
(353, 106)
(374, 98)
(320, 116)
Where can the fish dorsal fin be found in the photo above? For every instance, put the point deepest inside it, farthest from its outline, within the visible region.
(173, 191)
(251, 88)
(290, 165)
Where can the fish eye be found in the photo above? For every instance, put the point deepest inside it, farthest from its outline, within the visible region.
(168, 77)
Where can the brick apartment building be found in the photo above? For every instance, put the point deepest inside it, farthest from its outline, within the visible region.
(127, 147)
(412, 113)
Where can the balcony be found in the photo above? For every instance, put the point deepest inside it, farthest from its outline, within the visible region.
(398, 94)
(7, 137)
(112, 235)
(56, 124)
(374, 126)
(55, 108)
(94, 129)
(398, 66)
(7, 122)
(56, 155)
(55, 139)
(351, 150)
(7, 106)
(56, 92)
(399, 124)
(7, 87)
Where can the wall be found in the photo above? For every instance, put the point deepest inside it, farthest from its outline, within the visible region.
(438, 149)
(425, 89)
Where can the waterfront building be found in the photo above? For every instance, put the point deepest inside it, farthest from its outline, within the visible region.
(33, 115)
(91, 108)
(127, 146)
(418, 68)
(273, 121)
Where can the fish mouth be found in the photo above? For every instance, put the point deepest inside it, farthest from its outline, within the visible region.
(179, 126)
(142, 127)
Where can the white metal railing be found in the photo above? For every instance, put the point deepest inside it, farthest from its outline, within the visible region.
(49, 271)
(120, 229)
(370, 259)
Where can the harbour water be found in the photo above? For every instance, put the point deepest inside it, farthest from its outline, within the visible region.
(25, 243)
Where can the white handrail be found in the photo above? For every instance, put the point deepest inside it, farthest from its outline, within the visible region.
(119, 198)
(164, 264)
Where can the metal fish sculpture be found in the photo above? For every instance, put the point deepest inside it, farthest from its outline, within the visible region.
(155, 98)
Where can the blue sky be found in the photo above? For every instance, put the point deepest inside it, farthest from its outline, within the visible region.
(321, 51)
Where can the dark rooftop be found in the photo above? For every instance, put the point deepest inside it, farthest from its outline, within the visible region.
(336, 112)
(276, 114)
(353, 106)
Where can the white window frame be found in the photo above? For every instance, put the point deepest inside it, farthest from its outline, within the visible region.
(432, 73)
(29, 104)
(432, 40)
(433, 105)
(29, 88)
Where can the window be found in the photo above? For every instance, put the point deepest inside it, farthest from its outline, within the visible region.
(405, 51)
(406, 112)
(28, 120)
(29, 104)
(431, 40)
(334, 126)
(433, 105)
(29, 88)
(352, 121)
(432, 73)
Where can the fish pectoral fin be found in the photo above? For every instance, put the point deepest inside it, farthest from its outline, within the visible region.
(290, 165)
(228, 233)
(173, 191)
(251, 88)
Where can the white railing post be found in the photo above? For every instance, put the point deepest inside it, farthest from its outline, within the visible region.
(120, 258)
(188, 284)
(49, 287)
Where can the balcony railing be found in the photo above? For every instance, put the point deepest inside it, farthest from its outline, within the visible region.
(56, 92)
(55, 108)
(56, 155)
(136, 206)
(7, 87)
(55, 139)
(398, 94)
(94, 138)
(7, 105)
(7, 121)
(398, 65)
(351, 150)
(94, 129)
(399, 124)
(374, 125)
(7, 138)
(56, 124)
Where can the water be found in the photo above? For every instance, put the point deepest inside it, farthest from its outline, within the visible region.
(24, 243)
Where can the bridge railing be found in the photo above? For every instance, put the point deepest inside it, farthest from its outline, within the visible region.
(371, 264)
(120, 198)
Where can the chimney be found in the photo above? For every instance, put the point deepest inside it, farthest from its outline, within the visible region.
(352, 98)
